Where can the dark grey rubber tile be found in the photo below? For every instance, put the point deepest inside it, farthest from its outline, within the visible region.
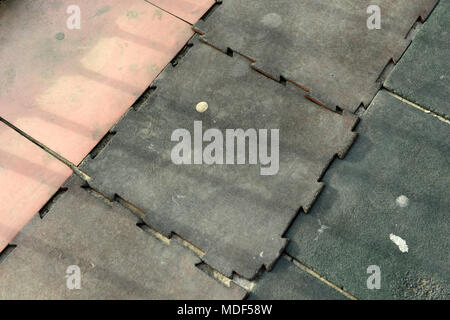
(117, 260)
(288, 282)
(232, 212)
(323, 45)
(393, 183)
(423, 73)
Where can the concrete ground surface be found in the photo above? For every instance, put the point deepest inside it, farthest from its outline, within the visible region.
(353, 203)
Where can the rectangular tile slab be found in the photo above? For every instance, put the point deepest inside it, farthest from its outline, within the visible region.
(232, 212)
(116, 259)
(288, 282)
(423, 73)
(323, 45)
(29, 177)
(188, 10)
(65, 86)
(386, 205)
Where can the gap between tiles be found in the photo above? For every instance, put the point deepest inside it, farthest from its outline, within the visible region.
(301, 266)
(414, 105)
(210, 271)
(72, 166)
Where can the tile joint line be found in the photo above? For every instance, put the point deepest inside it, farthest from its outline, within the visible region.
(57, 156)
(168, 12)
(415, 105)
(313, 273)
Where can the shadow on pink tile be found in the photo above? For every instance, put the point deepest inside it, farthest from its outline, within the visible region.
(67, 87)
(29, 177)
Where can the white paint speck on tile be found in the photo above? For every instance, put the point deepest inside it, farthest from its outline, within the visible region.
(272, 20)
(401, 244)
(320, 230)
(402, 201)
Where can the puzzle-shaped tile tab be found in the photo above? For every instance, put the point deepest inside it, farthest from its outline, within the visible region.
(236, 213)
(386, 206)
(326, 46)
(423, 73)
(84, 242)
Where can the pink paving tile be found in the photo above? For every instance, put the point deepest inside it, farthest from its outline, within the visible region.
(67, 87)
(29, 177)
(188, 10)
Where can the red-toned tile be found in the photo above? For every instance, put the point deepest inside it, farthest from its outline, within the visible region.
(28, 179)
(66, 88)
(188, 10)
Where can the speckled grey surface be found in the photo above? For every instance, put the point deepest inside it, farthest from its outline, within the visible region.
(423, 73)
(321, 44)
(395, 180)
(117, 260)
(232, 212)
(288, 282)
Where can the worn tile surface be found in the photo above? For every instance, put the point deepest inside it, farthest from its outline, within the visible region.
(423, 73)
(393, 182)
(232, 212)
(117, 260)
(288, 282)
(66, 87)
(28, 179)
(323, 45)
(188, 10)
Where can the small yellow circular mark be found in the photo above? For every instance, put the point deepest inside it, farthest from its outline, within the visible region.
(201, 107)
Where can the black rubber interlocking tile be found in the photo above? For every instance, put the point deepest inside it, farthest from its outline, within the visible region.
(385, 205)
(232, 212)
(423, 73)
(288, 282)
(323, 45)
(117, 260)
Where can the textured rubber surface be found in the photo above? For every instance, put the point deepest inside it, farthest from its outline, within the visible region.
(65, 87)
(117, 260)
(393, 183)
(188, 10)
(232, 212)
(28, 179)
(323, 45)
(288, 282)
(423, 73)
